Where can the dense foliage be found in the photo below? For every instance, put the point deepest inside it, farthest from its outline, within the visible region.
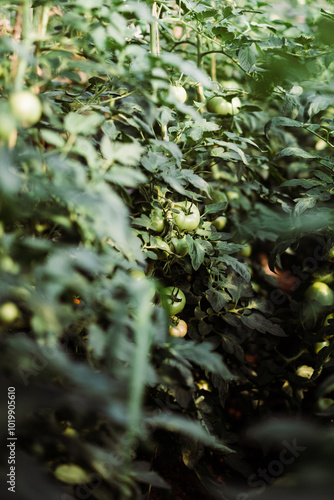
(166, 248)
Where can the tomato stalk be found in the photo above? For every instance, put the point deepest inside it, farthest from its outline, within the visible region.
(26, 30)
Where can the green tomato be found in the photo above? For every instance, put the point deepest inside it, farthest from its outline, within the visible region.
(246, 250)
(188, 216)
(180, 246)
(179, 93)
(220, 106)
(9, 312)
(157, 220)
(137, 274)
(173, 300)
(321, 293)
(232, 195)
(26, 107)
(219, 223)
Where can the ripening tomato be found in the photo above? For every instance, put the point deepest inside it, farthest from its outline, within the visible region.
(173, 300)
(178, 330)
(188, 217)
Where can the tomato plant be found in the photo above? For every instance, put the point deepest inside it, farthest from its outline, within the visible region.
(115, 183)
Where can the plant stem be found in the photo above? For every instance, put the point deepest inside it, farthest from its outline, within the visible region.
(22, 62)
(154, 35)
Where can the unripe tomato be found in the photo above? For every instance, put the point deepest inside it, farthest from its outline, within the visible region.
(157, 219)
(321, 293)
(188, 216)
(246, 250)
(179, 330)
(180, 246)
(137, 274)
(220, 106)
(26, 107)
(220, 222)
(179, 93)
(9, 312)
(173, 300)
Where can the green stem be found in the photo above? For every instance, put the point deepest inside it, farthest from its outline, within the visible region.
(154, 34)
(26, 29)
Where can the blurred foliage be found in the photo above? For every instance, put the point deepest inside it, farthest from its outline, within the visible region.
(106, 399)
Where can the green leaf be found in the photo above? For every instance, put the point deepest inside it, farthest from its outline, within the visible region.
(247, 57)
(76, 123)
(294, 151)
(281, 121)
(217, 299)
(258, 322)
(125, 154)
(53, 138)
(239, 267)
(202, 354)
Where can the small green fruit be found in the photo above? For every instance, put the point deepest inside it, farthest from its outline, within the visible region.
(8, 312)
(26, 107)
(321, 293)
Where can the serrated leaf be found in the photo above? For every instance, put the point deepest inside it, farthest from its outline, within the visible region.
(239, 267)
(258, 322)
(305, 183)
(247, 57)
(202, 355)
(215, 208)
(294, 151)
(217, 299)
(281, 121)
